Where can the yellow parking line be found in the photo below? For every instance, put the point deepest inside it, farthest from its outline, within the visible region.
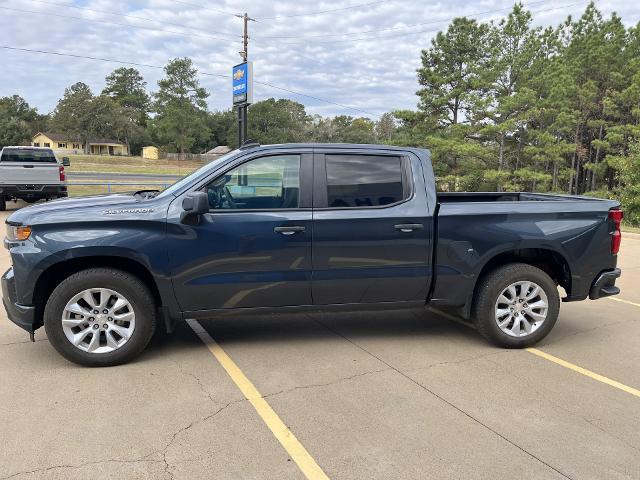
(564, 363)
(287, 439)
(615, 299)
(584, 371)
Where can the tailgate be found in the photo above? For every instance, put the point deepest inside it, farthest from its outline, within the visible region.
(29, 173)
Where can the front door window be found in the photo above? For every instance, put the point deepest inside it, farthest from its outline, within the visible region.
(266, 183)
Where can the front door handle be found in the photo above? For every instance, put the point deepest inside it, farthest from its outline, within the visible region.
(290, 230)
(408, 227)
(27, 166)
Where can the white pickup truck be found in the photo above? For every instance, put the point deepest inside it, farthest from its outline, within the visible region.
(31, 174)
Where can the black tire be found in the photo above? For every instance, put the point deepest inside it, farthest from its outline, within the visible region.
(128, 285)
(489, 289)
(3, 204)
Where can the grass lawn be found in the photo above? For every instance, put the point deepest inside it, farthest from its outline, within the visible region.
(106, 164)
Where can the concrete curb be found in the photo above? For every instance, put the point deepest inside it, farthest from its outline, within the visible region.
(635, 236)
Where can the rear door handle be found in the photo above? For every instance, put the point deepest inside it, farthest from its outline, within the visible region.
(289, 230)
(27, 166)
(408, 227)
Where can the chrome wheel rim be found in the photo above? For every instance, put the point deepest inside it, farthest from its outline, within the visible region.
(98, 320)
(521, 309)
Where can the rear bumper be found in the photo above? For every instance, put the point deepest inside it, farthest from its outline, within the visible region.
(21, 315)
(605, 284)
(33, 191)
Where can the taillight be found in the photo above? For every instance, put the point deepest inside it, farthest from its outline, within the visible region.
(616, 236)
(63, 176)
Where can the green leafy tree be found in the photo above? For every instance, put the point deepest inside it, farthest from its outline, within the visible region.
(451, 74)
(277, 121)
(128, 89)
(222, 128)
(73, 114)
(385, 127)
(17, 121)
(181, 109)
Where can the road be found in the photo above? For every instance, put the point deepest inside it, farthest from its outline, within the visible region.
(366, 396)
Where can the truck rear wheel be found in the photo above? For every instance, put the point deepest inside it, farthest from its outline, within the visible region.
(516, 305)
(100, 317)
(3, 204)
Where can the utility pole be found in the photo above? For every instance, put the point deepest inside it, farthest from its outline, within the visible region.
(243, 108)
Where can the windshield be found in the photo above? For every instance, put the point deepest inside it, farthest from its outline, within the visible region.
(184, 181)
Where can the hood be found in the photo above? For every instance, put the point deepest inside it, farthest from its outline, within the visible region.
(71, 208)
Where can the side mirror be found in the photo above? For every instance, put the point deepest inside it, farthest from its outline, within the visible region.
(194, 204)
(66, 162)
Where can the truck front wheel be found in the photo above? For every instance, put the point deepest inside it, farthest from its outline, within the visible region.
(516, 305)
(100, 317)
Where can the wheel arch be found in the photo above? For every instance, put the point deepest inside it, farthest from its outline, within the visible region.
(550, 261)
(57, 272)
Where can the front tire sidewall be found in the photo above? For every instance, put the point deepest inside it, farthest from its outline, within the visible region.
(125, 284)
(494, 284)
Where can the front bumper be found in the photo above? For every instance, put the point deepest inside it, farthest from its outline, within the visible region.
(605, 284)
(21, 315)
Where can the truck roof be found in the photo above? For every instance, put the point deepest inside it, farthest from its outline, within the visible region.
(342, 146)
(25, 147)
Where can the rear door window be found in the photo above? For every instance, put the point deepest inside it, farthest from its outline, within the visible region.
(360, 181)
(26, 155)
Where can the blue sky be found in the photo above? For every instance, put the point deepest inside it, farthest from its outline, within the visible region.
(364, 57)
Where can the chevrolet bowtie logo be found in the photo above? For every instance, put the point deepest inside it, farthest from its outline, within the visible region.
(238, 74)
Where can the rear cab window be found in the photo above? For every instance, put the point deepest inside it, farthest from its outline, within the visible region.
(27, 155)
(361, 181)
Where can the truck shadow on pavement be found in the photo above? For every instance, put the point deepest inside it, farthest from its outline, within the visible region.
(277, 330)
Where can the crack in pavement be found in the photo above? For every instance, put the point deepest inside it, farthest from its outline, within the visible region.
(142, 459)
(448, 402)
(316, 385)
(545, 398)
(199, 421)
(198, 381)
(75, 467)
(458, 362)
(23, 341)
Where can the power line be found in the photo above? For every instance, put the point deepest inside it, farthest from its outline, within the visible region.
(379, 37)
(88, 57)
(377, 30)
(208, 74)
(106, 22)
(318, 98)
(321, 12)
(223, 12)
(147, 19)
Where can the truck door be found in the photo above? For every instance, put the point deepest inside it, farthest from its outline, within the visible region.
(253, 248)
(372, 230)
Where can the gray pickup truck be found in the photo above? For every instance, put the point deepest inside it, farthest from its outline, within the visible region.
(31, 174)
(299, 227)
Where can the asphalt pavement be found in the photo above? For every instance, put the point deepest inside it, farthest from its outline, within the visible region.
(358, 396)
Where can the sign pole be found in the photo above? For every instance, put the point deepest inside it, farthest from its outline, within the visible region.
(243, 82)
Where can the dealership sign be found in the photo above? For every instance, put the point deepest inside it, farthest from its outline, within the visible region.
(242, 83)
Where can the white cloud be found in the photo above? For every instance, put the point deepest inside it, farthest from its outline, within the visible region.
(372, 74)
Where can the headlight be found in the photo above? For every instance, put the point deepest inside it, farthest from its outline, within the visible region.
(18, 233)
